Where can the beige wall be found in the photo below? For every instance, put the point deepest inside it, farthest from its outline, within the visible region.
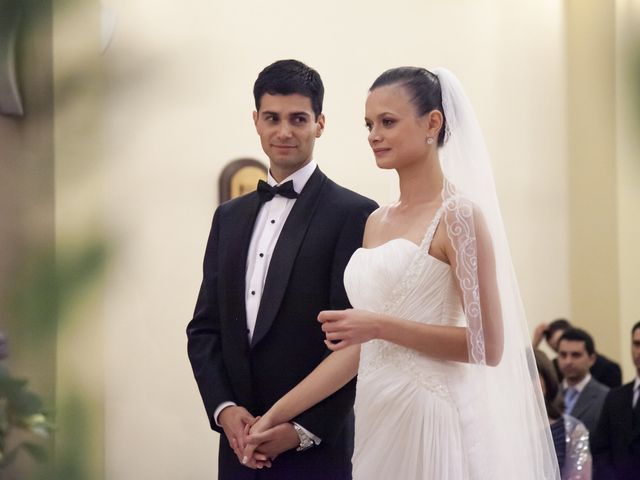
(178, 107)
(627, 56)
(604, 174)
(592, 161)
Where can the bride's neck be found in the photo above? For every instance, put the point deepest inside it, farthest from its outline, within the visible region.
(421, 182)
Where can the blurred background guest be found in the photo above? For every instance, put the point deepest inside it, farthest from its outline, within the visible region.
(603, 369)
(583, 394)
(570, 436)
(616, 440)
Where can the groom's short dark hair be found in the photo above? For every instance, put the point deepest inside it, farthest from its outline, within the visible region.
(286, 77)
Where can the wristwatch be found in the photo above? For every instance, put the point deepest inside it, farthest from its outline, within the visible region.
(305, 440)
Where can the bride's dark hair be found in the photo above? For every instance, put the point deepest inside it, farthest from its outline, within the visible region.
(423, 87)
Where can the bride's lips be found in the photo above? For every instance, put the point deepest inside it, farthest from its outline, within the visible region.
(380, 151)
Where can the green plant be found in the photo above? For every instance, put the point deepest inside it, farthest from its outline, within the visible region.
(20, 409)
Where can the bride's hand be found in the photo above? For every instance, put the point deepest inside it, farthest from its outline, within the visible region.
(251, 457)
(343, 328)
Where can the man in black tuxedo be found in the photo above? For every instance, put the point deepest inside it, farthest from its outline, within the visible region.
(275, 258)
(615, 444)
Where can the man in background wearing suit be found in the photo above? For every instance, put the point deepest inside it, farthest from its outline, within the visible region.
(615, 445)
(275, 258)
(604, 370)
(583, 395)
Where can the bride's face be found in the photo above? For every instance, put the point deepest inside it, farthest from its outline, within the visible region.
(397, 135)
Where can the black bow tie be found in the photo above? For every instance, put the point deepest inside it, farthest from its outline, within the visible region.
(267, 192)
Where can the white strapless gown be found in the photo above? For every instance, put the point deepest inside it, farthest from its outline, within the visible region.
(409, 424)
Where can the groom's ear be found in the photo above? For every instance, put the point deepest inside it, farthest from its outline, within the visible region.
(255, 118)
(320, 125)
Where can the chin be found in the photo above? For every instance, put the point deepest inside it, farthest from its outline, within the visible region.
(288, 163)
(385, 165)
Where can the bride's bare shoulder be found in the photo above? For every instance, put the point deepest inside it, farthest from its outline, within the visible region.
(375, 224)
(379, 216)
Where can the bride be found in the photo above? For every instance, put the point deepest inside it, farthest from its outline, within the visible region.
(447, 387)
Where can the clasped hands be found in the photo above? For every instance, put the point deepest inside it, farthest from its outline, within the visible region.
(257, 441)
(237, 424)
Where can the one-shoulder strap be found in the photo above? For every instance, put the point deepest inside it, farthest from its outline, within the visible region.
(425, 245)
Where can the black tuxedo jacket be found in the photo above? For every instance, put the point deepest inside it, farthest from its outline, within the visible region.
(615, 445)
(607, 371)
(305, 276)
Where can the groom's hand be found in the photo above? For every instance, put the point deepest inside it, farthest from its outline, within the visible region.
(272, 442)
(233, 420)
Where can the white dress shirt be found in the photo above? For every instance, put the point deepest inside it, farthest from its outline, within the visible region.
(578, 386)
(266, 231)
(636, 392)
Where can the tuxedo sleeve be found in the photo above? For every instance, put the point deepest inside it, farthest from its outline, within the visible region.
(204, 336)
(327, 418)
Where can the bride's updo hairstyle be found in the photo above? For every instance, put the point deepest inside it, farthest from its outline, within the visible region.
(423, 87)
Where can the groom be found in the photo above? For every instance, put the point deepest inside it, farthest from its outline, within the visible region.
(275, 258)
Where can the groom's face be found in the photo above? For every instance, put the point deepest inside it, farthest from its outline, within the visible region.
(288, 129)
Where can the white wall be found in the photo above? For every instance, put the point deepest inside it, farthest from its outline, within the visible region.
(178, 107)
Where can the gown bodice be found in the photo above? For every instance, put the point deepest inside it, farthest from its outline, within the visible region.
(401, 393)
(402, 279)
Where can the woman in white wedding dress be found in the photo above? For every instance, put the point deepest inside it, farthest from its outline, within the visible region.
(447, 389)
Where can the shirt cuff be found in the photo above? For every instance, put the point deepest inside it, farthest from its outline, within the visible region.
(315, 439)
(221, 407)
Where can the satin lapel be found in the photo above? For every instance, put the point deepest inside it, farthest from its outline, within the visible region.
(238, 232)
(285, 253)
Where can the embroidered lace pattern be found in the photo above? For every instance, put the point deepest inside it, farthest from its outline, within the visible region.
(461, 232)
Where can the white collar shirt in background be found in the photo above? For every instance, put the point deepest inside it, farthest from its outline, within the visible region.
(578, 386)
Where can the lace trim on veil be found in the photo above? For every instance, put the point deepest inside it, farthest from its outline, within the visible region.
(458, 218)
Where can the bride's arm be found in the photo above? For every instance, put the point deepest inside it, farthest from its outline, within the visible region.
(350, 327)
(335, 371)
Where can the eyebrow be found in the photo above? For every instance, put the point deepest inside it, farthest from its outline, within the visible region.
(292, 114)
(382, 115)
